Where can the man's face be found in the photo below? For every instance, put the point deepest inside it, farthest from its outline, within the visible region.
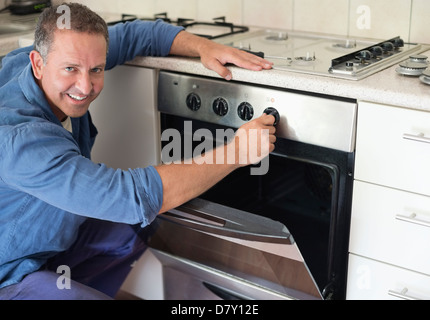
(73, 75)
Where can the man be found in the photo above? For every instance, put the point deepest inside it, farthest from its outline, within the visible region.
(61, 215)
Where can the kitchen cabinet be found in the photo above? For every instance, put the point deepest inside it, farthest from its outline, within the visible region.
(127, 120)
(373, 280)
(390, 223)
(393, 147)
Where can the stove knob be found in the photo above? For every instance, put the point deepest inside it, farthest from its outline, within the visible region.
(387, 46)
(275, 113)
(193, 102)
(364, 55)
(220, 106)
(398, 43)
(245, 111)
(376, 51)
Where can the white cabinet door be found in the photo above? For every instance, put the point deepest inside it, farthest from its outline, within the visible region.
(393, 147)
(127, 119)
(372, 280)
(381, 227)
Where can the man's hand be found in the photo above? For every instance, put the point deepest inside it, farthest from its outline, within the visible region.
(215, 56)
(255, 140)
(183, 182)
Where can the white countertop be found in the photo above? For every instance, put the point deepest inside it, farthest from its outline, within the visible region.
(386, 87)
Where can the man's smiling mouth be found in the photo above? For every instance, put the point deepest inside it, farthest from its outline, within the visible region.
(78, 98)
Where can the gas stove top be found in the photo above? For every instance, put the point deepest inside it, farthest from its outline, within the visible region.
(317, 54)
(338, 57)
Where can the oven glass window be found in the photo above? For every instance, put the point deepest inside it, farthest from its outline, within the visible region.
(296, 193)
(307, 188)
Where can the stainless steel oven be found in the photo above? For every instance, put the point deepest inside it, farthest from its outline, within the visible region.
(279, 235)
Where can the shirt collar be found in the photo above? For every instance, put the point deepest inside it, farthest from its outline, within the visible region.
(34, 94)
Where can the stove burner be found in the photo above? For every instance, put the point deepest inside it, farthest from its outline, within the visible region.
(414, 66)
(420, 58)
(306, 58)
(346, 45)
(281, 36)
(425, 77)
(410, 68)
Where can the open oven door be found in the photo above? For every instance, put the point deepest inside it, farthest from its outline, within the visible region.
(211, 251)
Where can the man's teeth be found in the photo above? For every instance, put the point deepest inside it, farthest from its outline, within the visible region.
(76, 97)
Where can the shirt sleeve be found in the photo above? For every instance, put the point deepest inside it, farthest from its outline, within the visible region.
(139, 38)
(43, 160)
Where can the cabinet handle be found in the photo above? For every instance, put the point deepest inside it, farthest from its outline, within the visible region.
(419, 137)
(412, 219)
(402, 294)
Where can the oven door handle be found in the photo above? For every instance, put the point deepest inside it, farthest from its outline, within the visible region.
(206, 216)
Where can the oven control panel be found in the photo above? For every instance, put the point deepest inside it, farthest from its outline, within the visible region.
(320, 121)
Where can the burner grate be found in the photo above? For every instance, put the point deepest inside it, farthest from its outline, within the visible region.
(211, 30)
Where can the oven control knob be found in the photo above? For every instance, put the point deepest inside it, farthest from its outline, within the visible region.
(398, 43)
(376, 51)
(275, 113)
(387, 46)
(364, 55)
(194, 102)
(220, 106)
(245, 111)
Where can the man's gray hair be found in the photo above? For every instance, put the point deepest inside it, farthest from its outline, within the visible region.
(82, 19)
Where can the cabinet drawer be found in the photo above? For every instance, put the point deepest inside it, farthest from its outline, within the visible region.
(393, 147)
(381, 228)
(373, 280)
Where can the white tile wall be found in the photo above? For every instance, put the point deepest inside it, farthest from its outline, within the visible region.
(277, 14)
(230, 9)
(177, 9)
(420, 31)
(377, 19)
(327, 16)
(380, 19)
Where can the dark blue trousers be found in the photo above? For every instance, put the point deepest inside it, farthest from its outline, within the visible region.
(99, 261)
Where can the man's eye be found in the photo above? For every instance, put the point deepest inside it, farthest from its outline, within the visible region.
(69, 69)
(96, 70)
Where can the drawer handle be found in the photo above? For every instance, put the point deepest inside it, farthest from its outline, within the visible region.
(412, 219)
(419, 137)
(402, 294)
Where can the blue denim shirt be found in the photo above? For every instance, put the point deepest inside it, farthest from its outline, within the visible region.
(48, 184)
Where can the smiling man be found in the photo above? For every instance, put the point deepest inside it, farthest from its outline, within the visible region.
(59, 211)
(73, 75)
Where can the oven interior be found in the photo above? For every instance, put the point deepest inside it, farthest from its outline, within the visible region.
(306, 194)
(298, 194)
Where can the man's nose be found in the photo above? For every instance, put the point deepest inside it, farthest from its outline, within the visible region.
(84, 83)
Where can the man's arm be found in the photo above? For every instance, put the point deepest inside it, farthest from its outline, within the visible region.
(215, 56)
(183, 182)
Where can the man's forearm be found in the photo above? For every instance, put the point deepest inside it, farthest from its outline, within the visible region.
(189, 45)
(183, 182)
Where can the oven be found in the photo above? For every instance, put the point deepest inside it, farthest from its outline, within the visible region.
(277, 230)
(279, 235)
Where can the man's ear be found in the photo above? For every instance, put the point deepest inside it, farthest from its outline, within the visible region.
(36, 64)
